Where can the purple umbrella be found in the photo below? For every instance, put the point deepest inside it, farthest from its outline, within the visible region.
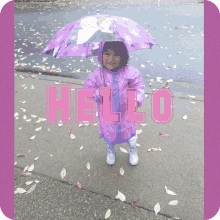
(83, 37)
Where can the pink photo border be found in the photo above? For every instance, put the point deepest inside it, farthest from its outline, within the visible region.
(211, 110)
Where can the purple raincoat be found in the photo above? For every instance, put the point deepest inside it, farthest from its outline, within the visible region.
(116, 133)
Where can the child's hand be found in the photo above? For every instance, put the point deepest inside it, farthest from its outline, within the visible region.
(135, 109)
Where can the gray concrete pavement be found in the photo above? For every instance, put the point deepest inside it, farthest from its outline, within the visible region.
(179, 164)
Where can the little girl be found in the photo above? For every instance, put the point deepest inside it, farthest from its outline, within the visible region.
(118, 75)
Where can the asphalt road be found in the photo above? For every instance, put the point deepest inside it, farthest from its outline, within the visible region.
(179, 164)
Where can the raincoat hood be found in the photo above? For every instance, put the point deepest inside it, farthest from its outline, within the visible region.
(99, 52)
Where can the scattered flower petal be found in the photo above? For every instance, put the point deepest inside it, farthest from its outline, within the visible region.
(38, 129)
(165, 135)
(16, 114)
(43, 119)
(174, 202)
(122, 171)
(34, 116)
(157, 208)
(123, 150)
(32, 87)
(108, 213)
(31, 189)
(36, 158)
(185, 117)
(88, 166)
(29, 182)
(81, 125)
(26, 168)
(167, 68)
(20, 190)
(139, 131)
(86, 123)
(143, 124)
(116, 175)
(154, 149)
(191, 96)
(63, 173)
(33, 137)
(169, 80)
(120, 196)
(31, 168)
(25, 174)
(170, 192)
(19, 155)
(60, 123)
(81, 147)
(37, 181)
(72, 136)
(79, 185)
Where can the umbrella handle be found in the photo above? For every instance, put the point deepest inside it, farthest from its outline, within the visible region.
(103, 75)
(103, 80)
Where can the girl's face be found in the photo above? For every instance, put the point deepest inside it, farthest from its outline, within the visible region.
(110, 61)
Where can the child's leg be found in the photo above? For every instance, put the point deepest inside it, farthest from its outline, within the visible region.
(133, 155)
(110, 159)
(111, 147)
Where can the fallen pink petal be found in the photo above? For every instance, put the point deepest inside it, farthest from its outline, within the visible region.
(165, 135)
(79, 185)
(25, 174)
(135, 200)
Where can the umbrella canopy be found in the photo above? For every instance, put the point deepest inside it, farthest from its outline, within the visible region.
(82, 38)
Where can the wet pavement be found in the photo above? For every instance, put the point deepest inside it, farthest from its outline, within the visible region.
(179, 165)
(178, 29)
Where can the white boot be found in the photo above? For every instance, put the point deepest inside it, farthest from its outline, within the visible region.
(110, 159)
(133, 155)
